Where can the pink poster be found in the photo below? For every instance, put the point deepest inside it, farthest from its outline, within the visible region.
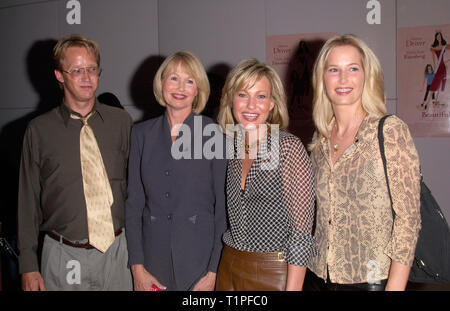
(293, 56)
(423, 61)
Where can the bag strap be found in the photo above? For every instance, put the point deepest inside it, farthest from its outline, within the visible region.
(383, 156)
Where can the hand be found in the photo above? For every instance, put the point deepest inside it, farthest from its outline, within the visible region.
(33, 281)
(143, 280)
(295, 278)
(206, 283)
(398, 277)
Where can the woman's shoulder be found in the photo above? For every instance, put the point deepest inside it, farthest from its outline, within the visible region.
(394, 123)
(396, 132)
(289, 141)
(391, 122)
(288, 137)
(145, 126)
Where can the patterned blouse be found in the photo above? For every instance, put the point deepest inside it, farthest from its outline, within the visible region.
(275, 211)
(355, 232)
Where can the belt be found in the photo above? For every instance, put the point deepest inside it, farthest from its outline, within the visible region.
(63, 240)
(371, 287)
(255, 256)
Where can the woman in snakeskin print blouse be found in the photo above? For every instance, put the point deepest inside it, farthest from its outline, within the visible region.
(360, 245)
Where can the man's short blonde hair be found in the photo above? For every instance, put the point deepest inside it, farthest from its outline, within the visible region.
(75, 40)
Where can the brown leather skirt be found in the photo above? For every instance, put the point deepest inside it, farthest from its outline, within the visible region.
(251, 271)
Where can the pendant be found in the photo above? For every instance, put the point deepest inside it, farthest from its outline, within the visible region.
(248, 147)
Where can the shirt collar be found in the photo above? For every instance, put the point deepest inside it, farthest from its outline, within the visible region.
(365, 135)
(189, 121)
(66, 111)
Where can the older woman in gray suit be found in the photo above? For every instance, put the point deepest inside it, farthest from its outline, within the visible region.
(175, 211)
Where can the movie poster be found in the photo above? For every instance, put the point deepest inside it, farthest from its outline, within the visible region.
(293, 56)
(423, 61)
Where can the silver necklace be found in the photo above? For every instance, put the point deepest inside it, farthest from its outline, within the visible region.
(336, 146)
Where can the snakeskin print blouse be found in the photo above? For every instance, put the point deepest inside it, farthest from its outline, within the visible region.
(356, 235)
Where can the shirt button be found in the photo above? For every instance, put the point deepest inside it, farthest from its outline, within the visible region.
(169, 217)
(167, 195)
(167, 173)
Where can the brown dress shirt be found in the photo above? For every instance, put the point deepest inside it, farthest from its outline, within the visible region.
(51, 196)
(356, 235)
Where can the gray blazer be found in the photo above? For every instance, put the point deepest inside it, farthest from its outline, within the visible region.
(175, 210)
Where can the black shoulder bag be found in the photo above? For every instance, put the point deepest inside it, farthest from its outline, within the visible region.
(431, 260)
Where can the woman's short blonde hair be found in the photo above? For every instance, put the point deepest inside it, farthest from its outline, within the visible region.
(373, 97)
(244, 75)
(193, 67)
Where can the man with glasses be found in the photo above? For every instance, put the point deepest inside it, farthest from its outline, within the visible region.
(73, 183)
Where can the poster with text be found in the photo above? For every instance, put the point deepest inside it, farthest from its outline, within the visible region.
(293, 56)
(423, 61)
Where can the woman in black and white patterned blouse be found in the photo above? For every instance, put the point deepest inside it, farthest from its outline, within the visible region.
(269, 187)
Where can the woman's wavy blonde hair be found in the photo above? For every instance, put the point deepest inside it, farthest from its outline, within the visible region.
(193, 67)
(373, 97)
(245, 74)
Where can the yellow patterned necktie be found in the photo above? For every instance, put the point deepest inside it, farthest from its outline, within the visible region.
(97, 190)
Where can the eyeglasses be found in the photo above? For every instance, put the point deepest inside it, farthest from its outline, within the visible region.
(79, 72)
